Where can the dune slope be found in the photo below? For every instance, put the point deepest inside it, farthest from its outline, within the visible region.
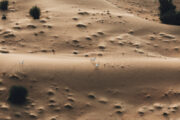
(88, 60)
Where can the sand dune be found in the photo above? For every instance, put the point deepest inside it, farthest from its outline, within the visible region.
(135, 84)
(89, 60)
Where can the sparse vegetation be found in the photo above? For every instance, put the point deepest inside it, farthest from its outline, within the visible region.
(35, 12)
(17, 95)
(3, 17)
(168, 13)
(4, 5)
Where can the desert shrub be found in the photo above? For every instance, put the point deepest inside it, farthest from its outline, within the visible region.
(17, 95)
(168, 13)
(3, 17)
(171, 18)
(4, 4)
(35, 12)
(166, 6)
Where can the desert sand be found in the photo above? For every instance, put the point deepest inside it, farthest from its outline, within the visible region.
(90, 60)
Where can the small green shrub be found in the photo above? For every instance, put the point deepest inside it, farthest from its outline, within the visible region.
(4, 4)
(35, 12)
(17, 95)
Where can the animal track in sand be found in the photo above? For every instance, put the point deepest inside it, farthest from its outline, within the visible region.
(121, 43)
(40, 110)
(41, 32)
(33, 115)
(117, 106)
(103, 100)
(88, 38)
(91, 96)
(9, 35)
(176, 48)
(4, 107)
(102, 47)
(18, 114)
(4, 51)
(100, 33)
(14, 77)
(48, 26)
(141, 111)
(35, 34)
(43, 21)
(75, 41)
(119, 109)
(71, 99)
(165, 35)
(68, 106)
(75, 52)
(139, 51)
(81, 26)
(160, 109)
(83, 13)
(158, 106)
(50, 92)
(17, 27)
(94, 35)
(152, 37)
(75, 19)
(31, 26)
